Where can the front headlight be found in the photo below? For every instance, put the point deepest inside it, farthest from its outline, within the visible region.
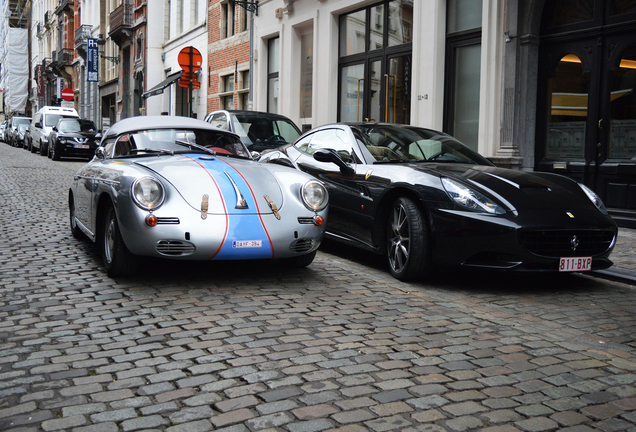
(148, 193)
(314, 195)
(470, 198)
(594, 198)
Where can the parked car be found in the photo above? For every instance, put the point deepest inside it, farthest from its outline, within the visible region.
(259, 131)
(20, 135)
(3, 128)
(13, 129)
(42, 125)
(178, 188)
(73, 137)
(426, 202)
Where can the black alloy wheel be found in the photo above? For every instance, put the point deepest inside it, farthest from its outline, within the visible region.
(407, 241)
(55, 155)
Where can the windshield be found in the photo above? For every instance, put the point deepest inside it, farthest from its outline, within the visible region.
(265, 131)
(73, 125)
(152, 141)
(19, 121)
(388, 143)
(51, 120)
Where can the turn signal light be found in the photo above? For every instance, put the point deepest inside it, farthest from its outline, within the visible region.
(319, 220)
(151, 220)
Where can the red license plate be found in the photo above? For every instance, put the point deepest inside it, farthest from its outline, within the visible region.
(575, 264)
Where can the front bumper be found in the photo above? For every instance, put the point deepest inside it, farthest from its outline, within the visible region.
(534, 242)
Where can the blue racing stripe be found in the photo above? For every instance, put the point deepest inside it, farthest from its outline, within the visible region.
(246, 238)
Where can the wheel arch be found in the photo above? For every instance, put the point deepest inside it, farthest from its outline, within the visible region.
(384, 207)
(100, 213)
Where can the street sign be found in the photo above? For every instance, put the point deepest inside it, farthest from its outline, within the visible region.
(190, 59)
(68, 94)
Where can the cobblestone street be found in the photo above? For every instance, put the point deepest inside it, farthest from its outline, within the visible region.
(340, 346)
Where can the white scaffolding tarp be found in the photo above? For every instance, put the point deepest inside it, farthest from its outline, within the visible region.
(15, 69)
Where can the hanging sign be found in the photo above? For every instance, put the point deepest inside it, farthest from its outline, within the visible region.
(92, 60)
(39, 79)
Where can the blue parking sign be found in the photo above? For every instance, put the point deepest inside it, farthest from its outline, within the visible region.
(92, 60)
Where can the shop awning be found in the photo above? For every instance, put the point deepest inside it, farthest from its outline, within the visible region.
(159, 88)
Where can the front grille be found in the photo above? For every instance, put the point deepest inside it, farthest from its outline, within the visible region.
(560, 243)
(175, 247)
(302, 245)
(167, 220)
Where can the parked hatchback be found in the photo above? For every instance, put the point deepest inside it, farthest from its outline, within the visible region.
(12, 131)
(72, 137)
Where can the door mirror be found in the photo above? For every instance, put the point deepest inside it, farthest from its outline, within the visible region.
(330, 155)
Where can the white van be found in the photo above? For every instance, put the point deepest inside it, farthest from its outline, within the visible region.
(42, 124)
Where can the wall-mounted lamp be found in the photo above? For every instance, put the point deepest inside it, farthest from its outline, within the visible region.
(102, 42)
(508, 37)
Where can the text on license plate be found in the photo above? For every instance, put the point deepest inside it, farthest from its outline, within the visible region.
(575, 264)
(247, 243)
(81, 146)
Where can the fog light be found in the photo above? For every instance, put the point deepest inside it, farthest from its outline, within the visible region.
(151, 220)
(319, 220)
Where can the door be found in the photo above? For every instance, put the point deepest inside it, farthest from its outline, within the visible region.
(377, 90)
(586, 118)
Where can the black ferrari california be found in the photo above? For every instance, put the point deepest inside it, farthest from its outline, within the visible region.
(427, 201)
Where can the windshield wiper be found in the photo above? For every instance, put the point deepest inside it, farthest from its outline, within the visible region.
(394, 161)
(148, 150)
(195, 146)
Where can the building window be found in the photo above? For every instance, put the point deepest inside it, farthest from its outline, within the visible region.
(227, 19)
(227, 92)
(463, 70)
(110, 66)
(180, 16)
(273, 67)
(244, 92)
(375, 63)
(244, 21)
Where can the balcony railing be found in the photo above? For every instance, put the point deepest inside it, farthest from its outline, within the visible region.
(65, 56)
(120, 21)
(82, 33)
(64, 6)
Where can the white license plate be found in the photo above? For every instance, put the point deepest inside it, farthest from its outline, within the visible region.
(247, 244)
(575, 264)
(81, 146)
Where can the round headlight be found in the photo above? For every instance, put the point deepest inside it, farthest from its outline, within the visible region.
(148, 193)
(314, 195)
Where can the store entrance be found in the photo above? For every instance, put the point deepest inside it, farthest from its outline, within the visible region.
(586, 126)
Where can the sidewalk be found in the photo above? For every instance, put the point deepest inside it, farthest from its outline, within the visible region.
(624, 258)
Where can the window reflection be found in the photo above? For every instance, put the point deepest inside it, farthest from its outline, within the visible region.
(622, 144)
(568, 95)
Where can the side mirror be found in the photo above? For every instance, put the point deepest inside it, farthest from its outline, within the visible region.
(55, 128)
(330, 155)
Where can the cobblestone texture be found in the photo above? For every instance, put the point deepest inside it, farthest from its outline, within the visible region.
(253, 346)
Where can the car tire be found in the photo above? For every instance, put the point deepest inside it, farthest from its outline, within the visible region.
(43, 151)
(75, 229)
(407, 237)
(31, 148)
(54, 154)
(299, 261)
(118, 260)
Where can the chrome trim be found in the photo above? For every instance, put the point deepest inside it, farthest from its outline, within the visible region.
(240, 201)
